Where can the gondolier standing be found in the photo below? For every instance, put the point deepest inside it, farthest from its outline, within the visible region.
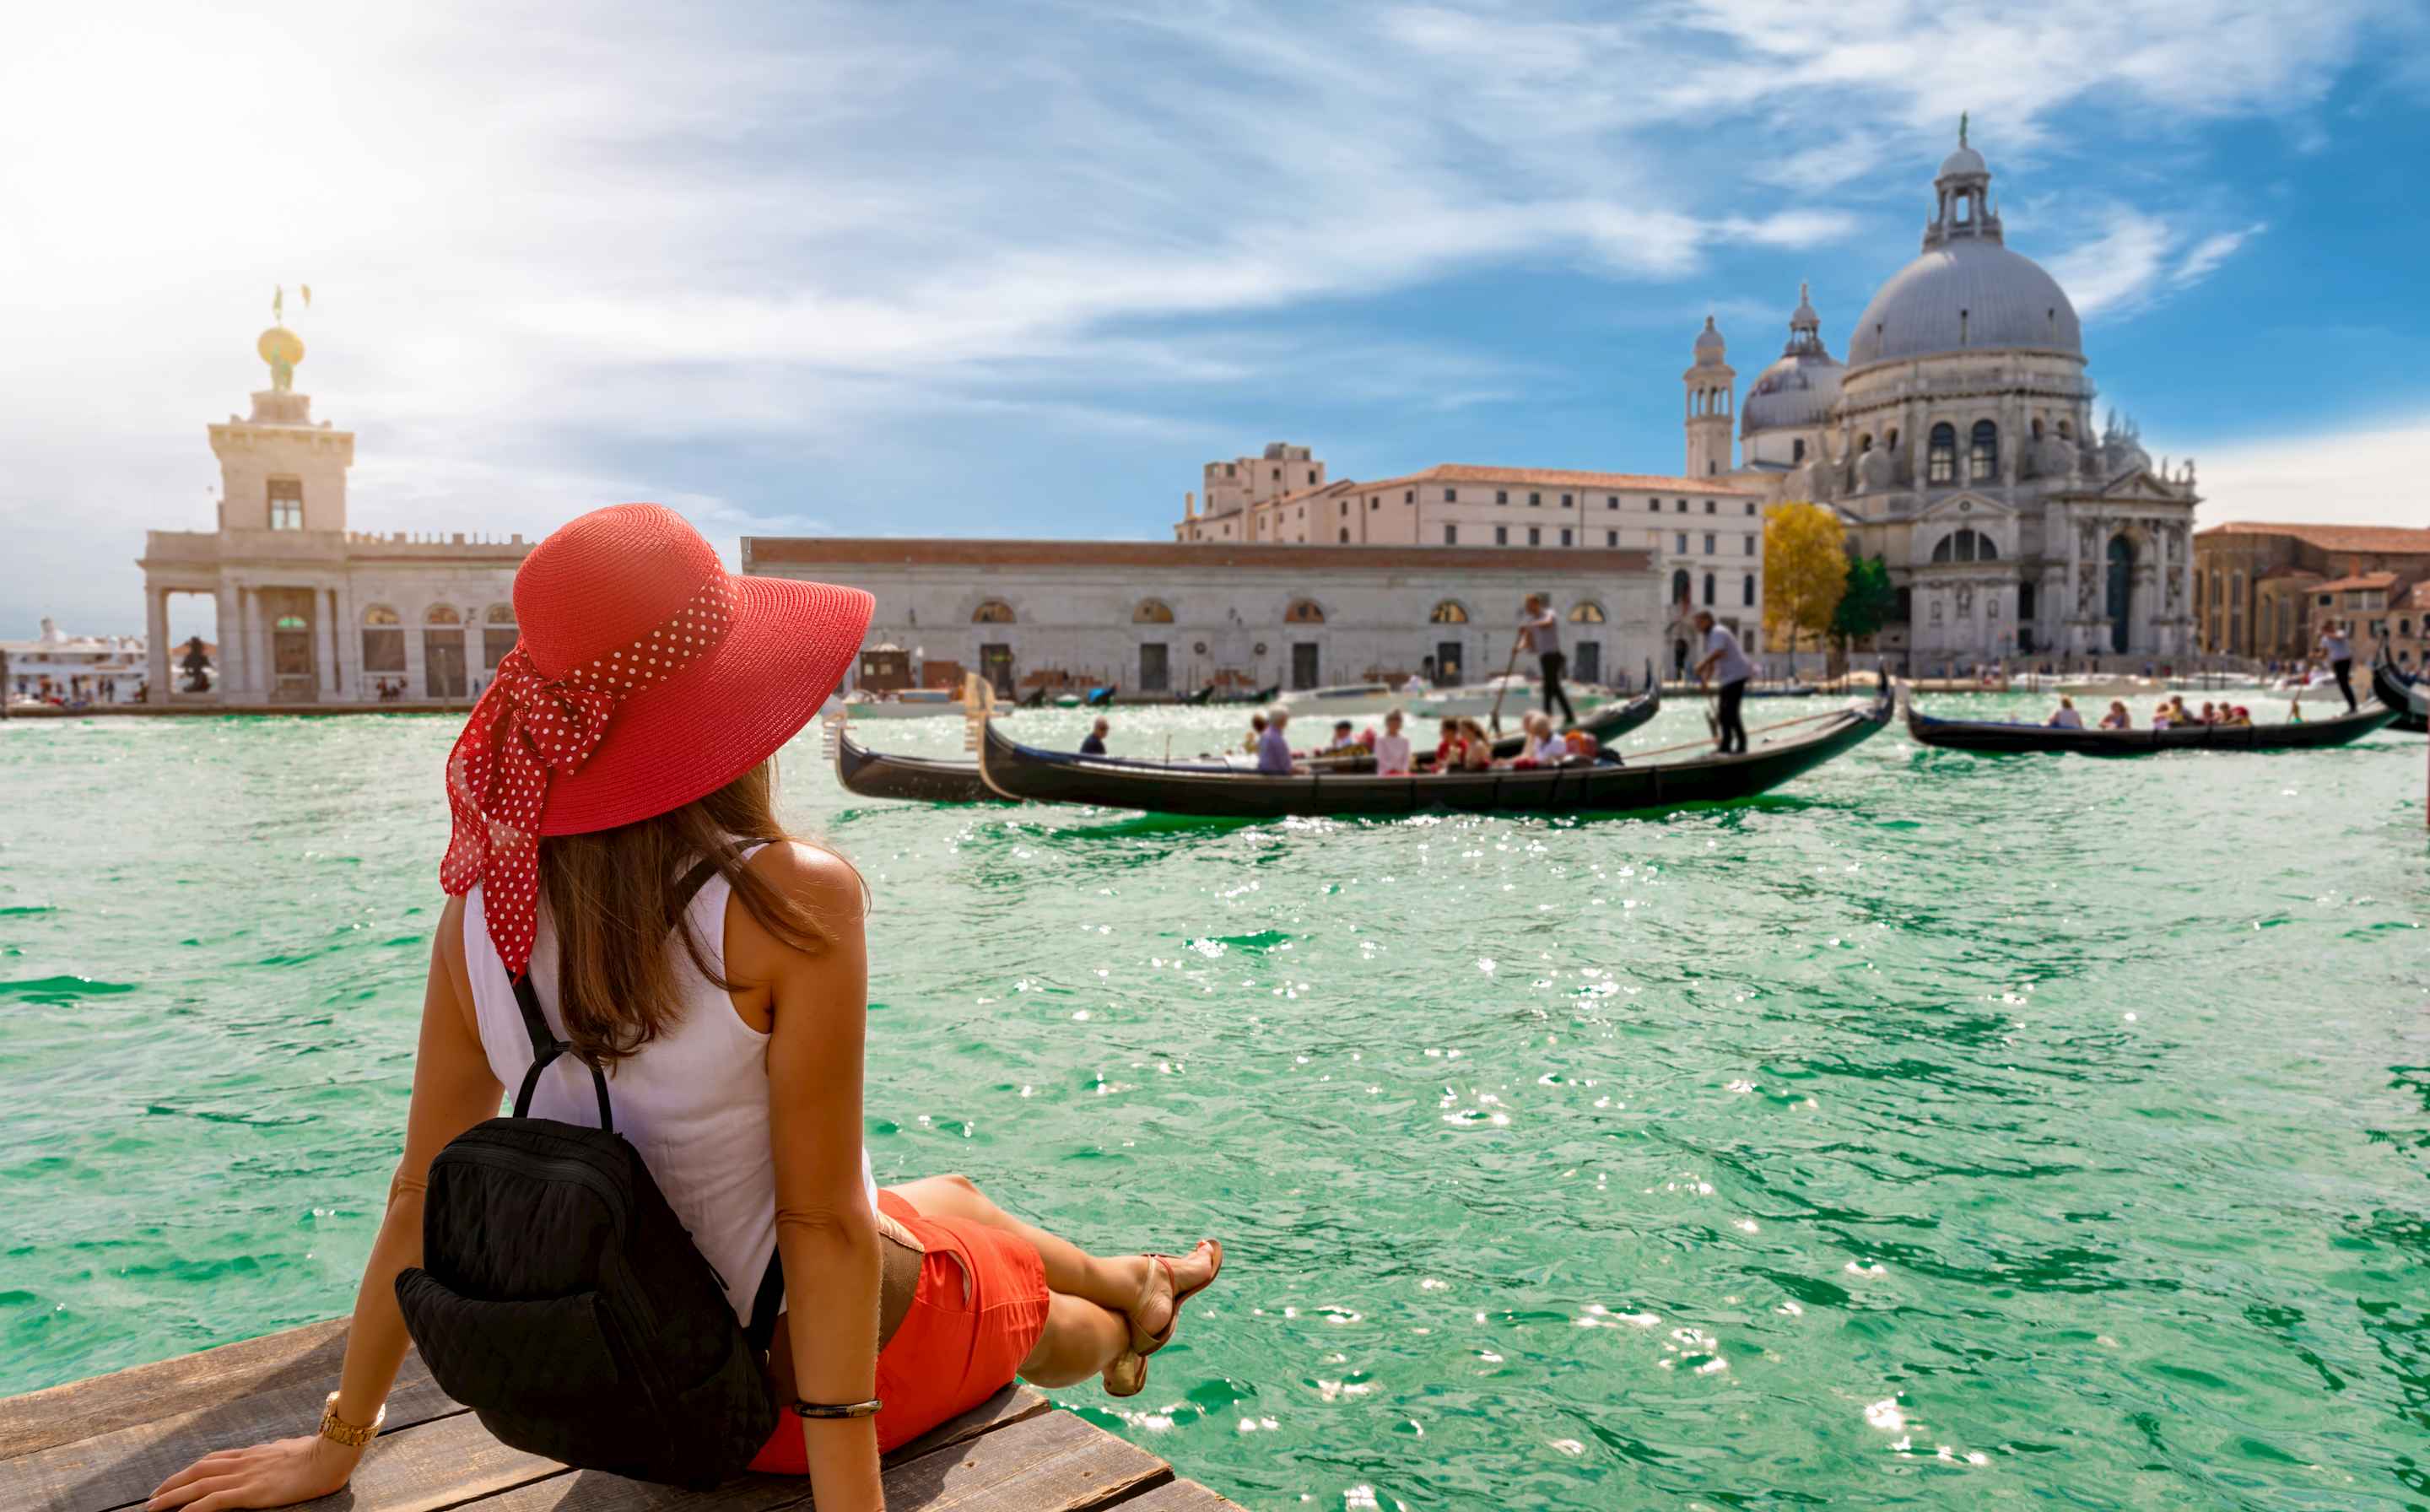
(2339, 651)
(1541, 630)
(1725, 663)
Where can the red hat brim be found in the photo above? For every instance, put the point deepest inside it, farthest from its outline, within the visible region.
(786, 649)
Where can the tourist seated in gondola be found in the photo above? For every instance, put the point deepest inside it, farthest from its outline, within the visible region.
(1475, 747)
(2240, 717)
(1256, 732)
(2209, 713)
(2117, 719)
(1393, 748)
(1585, 750)
(2066, 718)
(2160, 720)
(1273, 746)
(1343, 738)
(1095, 743)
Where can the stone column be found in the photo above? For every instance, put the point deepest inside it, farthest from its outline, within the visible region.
(474, 674)
(257, 648)
(231, 642)
(350, 642)
(324, 648)
(155, 644)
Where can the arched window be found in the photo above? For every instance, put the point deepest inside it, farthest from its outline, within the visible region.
(993, 612)
(1983, 452)
(1345, 535)
(1679, 586)
(1940, 461)
(2037, 428)
(1303, 611)
(383, 639)
(1586, 611)
(1449, 611)
(1864, 443)
(1151, 611)
(443, 653)
(1966, 546)
(441, 614)
(2066, 431)
(1708, 591)
(497, 634)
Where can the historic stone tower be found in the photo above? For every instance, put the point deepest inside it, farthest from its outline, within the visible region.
(1711, 387)
(277, 470)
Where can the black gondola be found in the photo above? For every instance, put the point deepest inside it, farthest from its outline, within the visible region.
(1037, 698)
(1606, 724)
(1099, 697)
(2001, 738)
(2409, 695)
(1224, 791)
(912, 779)
(1200, 696)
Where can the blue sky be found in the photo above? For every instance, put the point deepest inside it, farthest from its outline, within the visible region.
(924, 269)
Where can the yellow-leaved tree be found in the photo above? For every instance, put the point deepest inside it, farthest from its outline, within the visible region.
(1805, 572)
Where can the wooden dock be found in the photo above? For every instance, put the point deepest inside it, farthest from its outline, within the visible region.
(92, 1446)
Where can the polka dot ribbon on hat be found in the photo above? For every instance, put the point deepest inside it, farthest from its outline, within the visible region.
(529, 726)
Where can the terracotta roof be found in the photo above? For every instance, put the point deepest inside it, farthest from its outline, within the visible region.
(2290, 574)
(2360, 581)
(762, 552)
(1566, 478)
(2396, 538)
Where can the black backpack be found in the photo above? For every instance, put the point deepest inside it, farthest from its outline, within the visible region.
(559, 1298)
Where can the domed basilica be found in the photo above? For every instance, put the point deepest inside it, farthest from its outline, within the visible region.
(1957, 444)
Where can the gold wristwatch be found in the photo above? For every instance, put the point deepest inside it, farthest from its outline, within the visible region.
(339, 1431)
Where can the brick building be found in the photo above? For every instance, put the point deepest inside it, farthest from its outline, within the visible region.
(2264, 590)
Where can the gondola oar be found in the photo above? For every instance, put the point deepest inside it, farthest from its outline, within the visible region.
(1503, 686)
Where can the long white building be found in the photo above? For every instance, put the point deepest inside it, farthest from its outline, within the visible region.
(1158, 618)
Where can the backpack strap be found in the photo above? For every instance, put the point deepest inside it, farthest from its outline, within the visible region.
(546, 1046)
(761, 1330)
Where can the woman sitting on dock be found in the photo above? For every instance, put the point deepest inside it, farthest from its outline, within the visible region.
(621, 764)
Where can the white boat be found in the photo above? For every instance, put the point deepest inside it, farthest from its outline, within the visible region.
(1517, 695)
(2113, 684)
(1348, 699)
(910, 703)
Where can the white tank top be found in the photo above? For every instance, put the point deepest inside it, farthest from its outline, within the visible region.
(693, 1100)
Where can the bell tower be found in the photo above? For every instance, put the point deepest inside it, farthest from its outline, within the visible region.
(278, 470)
(1712, 389)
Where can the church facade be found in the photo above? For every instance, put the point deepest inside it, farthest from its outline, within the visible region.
(1957, 444)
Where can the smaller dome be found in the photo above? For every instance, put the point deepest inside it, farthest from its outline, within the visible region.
(1964, 163)
(1708, 343)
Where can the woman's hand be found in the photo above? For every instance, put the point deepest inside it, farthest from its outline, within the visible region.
(275, 1474)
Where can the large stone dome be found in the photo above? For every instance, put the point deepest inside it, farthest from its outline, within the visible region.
(1967, 293)
(1966, 297)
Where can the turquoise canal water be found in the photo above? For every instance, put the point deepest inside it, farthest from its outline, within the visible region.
(1942, 1131)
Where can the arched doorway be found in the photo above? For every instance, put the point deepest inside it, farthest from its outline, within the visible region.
(2122, 589)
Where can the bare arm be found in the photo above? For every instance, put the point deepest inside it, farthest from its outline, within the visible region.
(825, 1230)
(453, 1089)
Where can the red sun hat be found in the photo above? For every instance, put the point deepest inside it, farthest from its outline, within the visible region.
(646, 676)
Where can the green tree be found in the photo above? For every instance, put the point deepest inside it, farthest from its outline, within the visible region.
(1805, 572)
(1866, 606)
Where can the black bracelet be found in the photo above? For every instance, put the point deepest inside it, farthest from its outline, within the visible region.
(850, 1410)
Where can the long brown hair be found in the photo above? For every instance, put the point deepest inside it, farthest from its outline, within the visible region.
(612, 898)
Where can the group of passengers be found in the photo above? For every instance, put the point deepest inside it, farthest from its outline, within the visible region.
(1464, 746)
(2171, 714)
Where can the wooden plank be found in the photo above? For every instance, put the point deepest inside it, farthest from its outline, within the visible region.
(298, 1363)
(1180, 1496)
(82, 1408)
(1054, 1463)
(117, 1468)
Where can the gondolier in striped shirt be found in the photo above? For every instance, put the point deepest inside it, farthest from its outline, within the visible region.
(1541, 630)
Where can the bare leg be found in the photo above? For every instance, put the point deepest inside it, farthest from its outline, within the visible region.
(1080, 1340)
(1109, 1283)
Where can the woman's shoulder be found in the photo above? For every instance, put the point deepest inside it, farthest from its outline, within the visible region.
(809, 874)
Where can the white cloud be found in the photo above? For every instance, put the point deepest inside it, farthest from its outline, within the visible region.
(2210, 252)
(2119, 269)
(2362, 475)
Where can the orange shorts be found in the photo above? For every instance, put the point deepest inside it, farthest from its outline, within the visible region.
(956, 1347)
